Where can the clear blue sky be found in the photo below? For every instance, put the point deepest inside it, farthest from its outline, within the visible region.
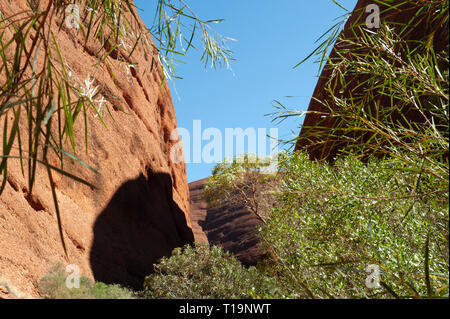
(272, 37)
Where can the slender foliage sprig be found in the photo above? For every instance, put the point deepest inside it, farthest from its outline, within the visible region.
(175, 28)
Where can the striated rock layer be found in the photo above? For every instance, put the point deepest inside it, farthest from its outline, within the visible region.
(229, 226)
(139, 209)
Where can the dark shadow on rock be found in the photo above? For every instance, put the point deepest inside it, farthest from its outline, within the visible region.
(231, 227)
(141, 224)
(235, 229)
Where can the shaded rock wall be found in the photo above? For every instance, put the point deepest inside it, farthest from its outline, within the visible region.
(230, 227)
(139, 210)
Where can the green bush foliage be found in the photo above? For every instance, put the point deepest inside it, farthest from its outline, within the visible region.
(248, 181)
(207, 272)
(332, 221)
(53, 286)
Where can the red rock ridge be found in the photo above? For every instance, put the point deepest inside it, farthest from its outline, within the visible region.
(139, 210)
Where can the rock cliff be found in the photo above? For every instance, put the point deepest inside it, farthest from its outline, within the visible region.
(139, 208)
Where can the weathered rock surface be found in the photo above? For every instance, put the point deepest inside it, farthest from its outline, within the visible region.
(139, 209)
(399, 12)
(232, 228)
(6, 292)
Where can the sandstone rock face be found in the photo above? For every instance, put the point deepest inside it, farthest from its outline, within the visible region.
(231, 227)
(402, 13)
(139, 209)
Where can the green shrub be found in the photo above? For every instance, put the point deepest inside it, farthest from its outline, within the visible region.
(53, 286)
(246, 181)
(207, 272)
(332, 221)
